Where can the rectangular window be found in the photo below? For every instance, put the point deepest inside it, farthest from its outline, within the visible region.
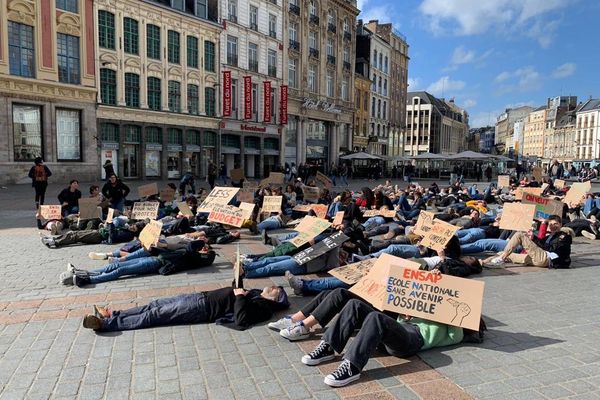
(312, 78)
(153, 134)
(133, 133)
(253, 57)
(253, 18)
(232, 10)
(153, 42)
(130, 36)
(273, 108)
(293, 31)
(209, 56)
(192, 52)
(202, 9)
(345, 90)
(27, 132)
(154, 93)
(108, 86)
(346, 54)
(109, 133)
(68, 58)
(255, 101)
(106, 29)
(193, 100)
(329, 84)
(132, 90)
(234, 98)
(67, 5)
(273, 26)
(173, 47)
(292, 78)
(312, 40)
(174, 136)
(193, 137)
(21, 50)
(174, 96)
(272, 62)
(232, 51)
(330, 47)
(209, 101)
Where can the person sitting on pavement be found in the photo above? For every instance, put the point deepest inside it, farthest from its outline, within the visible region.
(115, 191)
(241, 307)
(69, 198)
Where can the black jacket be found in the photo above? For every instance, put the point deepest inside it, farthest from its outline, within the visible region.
(71, 198)
(183, 259)
(559, 243)
(115, 193)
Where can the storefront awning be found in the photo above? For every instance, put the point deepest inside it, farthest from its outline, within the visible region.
(230, 150)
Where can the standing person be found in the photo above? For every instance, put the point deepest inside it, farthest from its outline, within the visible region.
(115, 192)
(223, 173)
(39, 175)
(479, 172)
(333, 174)
(212, 174)
(488, 173)
(69, 198)
(343, 171)
(293, 173)
(188, 179)
(108, 169)
(395, 172)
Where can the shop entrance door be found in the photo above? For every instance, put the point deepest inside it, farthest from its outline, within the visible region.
(130, 161)
(111, 155)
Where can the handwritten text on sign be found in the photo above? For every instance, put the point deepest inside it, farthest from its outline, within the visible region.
(51, 212)
(544, 207)
(424, 223)
(150, 234)
(272, 204)
(145, 209)
(308, 228)
(218, 196)
(517, 216)
(321, 248)
(227, 215)
(439, 235)
(352, 273)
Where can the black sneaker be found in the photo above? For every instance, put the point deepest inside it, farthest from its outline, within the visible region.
(343, 375)
(323, 352)
(92, 322)
(80, 280)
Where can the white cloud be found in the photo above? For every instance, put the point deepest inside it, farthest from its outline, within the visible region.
(564, 70)
(445, 86)
(414, 84)
(472, 17)
(483, 118)
(521, 80)
(469, 103)
(462, 56)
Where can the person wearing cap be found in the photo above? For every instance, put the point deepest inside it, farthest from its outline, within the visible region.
(39, 175)
(241, 307)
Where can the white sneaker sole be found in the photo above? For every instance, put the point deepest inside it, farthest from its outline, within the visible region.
(335, 383)
(588, 235)
(283, 333)
(277, 327)
(95, 256)
(312, 362)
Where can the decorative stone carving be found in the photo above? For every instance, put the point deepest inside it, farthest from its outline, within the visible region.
(22, 11)
(69, 24)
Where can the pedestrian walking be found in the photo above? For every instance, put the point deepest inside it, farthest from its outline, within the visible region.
(39, 175)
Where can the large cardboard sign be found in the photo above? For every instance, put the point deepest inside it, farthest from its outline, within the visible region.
(145, 209)
(538, 173)
(148, 190)
(320, 210)
(218, 196)
(302, 207)
(338, 219)
(237, 174)
(150, 234)
(167, 194)
(308, 229)
(439, 235)
(582, 186)
(559, 183)
(184, 209)
(51, 212)
(246, 195)
(503, 181)
(110, 215)
(521, 190)
(324, 180)
(227, 215)
(517, 216)
(271, 204)
(544, 207)
(274, 178)
(310, 193)
(574, 196)
(424, 223)
(352, 273)
(324, 246)
(88, 208)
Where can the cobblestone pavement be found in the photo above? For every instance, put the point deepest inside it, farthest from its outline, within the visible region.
(542, 343)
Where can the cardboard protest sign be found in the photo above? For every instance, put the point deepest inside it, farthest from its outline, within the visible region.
(538, 173)
(274, 178)
(271, 204)
(370, 213)
(302, 208)
(150, 234)
(582, 186)
(148, 190)
(293, 222)
(338, 219)
(324, 180)
(51, 212)
(517, 216)
(320, 210)
(88, 208)
(544, 207)
(145, 209)
(387, 213)
(184, 209)
(521, 190)
(311, 193)
(308, 228)
(227, 215)
(218, 196)
(321, 248)
(167, 194)
(574, 196)
(352, 273)
(559, 183)
(110, 215)
(237, 174)
(439, 235)
(246, 195)
(503, 181)
(248, 209)
(424, 223)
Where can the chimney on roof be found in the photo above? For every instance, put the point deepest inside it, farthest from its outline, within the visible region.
(374, 20)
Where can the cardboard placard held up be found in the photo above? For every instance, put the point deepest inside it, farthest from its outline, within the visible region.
(385, 213)
(110, 215)
(324, 180)
(439, 235)
(574, 197)
(503, 181)
(302, 208)
(51, 212)
(424, 223)
(370, 213)
(520, 190)
(145, 209)
(538, 173)
(167, 194)
(150, 234)
(227, 215)
(246, 195)
(148, 190)
(184, 209)
(247, 208)
(582, 186)
(310, 193)
(218, 196)
(274, 178)
(352, 273)
(320, 210)
(271, 204)
(237, 174)
(324, 246)
(544, 207)
(338, 219)
(517, 216)
(559, 183)
(88, 208)
(308, 229)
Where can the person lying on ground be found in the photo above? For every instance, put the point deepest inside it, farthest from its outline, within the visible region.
(277, 266)
(109, 234)
(241, 307)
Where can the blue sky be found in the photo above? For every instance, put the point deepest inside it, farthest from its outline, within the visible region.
(494, 54)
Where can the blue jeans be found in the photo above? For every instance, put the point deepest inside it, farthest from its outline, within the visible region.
(314, 286)
(182, 309)
(118, 205)
(334, 208)
(404, 206)
(470, 235)
(269, 224)
(273, 266)
(373, 222)
(332, 177)
(135, 266)
(400, 250)
(411, 214)
(343, 179)
(494, 245)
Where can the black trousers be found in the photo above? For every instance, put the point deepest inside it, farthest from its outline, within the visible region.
(327, 304)
(40, 192)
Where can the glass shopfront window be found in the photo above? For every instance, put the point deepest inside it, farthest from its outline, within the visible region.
(153, 163)
(27, 132)
(130, 160)
(68, 135)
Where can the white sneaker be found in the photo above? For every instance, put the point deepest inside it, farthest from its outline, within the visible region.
(71, 268)
(282, 323)
(495, 262)
(97, 256)
(588, 235)
(296, 332)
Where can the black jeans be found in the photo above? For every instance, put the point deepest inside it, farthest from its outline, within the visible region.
(87, 237)
(327, 304)
(40, 192)
(399, 339)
